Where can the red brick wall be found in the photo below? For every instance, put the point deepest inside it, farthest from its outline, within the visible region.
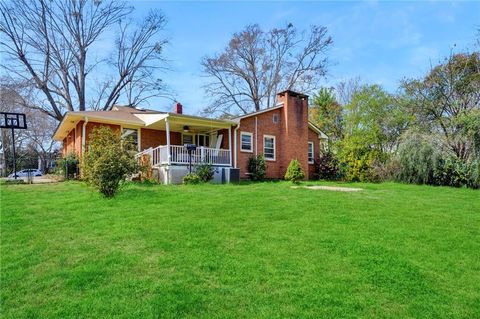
(154, 138)
(69, 143)
(91, 125)
(148, 137)
(265, 126)
(78, 138)
(295, 128)
(225, 142)
(291, 137)
(73, 141)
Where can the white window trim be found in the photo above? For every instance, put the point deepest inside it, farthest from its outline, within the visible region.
(251, 142)
(139, 136)
(274, 148)
(193, 135)
(313, 153)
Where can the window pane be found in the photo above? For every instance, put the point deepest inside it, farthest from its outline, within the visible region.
(269, 142)
(246, 143)
(131, 135)
(187, 139)
(269, 147)
(310, 152)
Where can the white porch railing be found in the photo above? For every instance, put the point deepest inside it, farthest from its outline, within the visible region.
(179, 155)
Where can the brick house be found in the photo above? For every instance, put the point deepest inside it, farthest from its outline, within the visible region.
(281, 133)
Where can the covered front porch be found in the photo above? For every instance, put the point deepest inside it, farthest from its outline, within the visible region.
(179, 155)
(163, 143)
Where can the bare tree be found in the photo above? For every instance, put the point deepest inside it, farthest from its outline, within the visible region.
(346, 89)
(36, 140)
(255, 65)
(48, 41)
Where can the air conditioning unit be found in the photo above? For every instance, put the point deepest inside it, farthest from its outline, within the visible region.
(230, 175)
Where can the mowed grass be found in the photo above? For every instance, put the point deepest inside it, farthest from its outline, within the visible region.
(240, 251)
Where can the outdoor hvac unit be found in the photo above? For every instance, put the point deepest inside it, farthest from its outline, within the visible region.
(230, 175)
(226, 175)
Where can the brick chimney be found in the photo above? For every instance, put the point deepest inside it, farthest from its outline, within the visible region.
(295, 128)
(178, 108)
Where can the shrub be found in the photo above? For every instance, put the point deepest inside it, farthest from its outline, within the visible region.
(108, 160)
(474, 175)
(357, 160)
(327, 166)
(359, 167)
(68, 166)
(191, 178)
(450, 172)
(145, 169)
(294, 172)
(257, 168)
(204, 172)
(422, 163)
(387, 171)
(417, 160)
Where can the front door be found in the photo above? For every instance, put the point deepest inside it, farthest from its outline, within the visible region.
(203, 140)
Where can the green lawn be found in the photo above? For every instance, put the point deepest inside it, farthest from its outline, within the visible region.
(240, 251)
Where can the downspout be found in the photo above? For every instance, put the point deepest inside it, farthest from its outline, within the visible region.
(84, 130)
(256, 137)
(235, 145)
(230, 144)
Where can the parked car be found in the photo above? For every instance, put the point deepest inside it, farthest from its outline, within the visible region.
(24, 173)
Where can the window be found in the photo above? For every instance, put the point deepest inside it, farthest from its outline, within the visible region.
(131, 134)
(246, 142)
(311, 155)
(203, 140)
(187, 139)
(269, 147)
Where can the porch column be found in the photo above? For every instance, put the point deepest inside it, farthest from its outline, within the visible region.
(167, 131)
(230, 143)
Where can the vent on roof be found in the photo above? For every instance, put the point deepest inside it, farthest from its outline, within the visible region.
(276, 118)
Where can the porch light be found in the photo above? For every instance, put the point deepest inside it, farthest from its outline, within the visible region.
(186, 128)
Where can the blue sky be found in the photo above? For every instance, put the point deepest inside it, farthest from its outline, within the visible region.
(380, 42)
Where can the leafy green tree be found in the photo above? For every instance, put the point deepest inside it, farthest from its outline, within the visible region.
(108, 160)
(373, 123)
(445, 101)
(417, 157)
(326, 113)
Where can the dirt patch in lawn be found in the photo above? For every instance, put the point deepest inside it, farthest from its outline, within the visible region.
(331, 188)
